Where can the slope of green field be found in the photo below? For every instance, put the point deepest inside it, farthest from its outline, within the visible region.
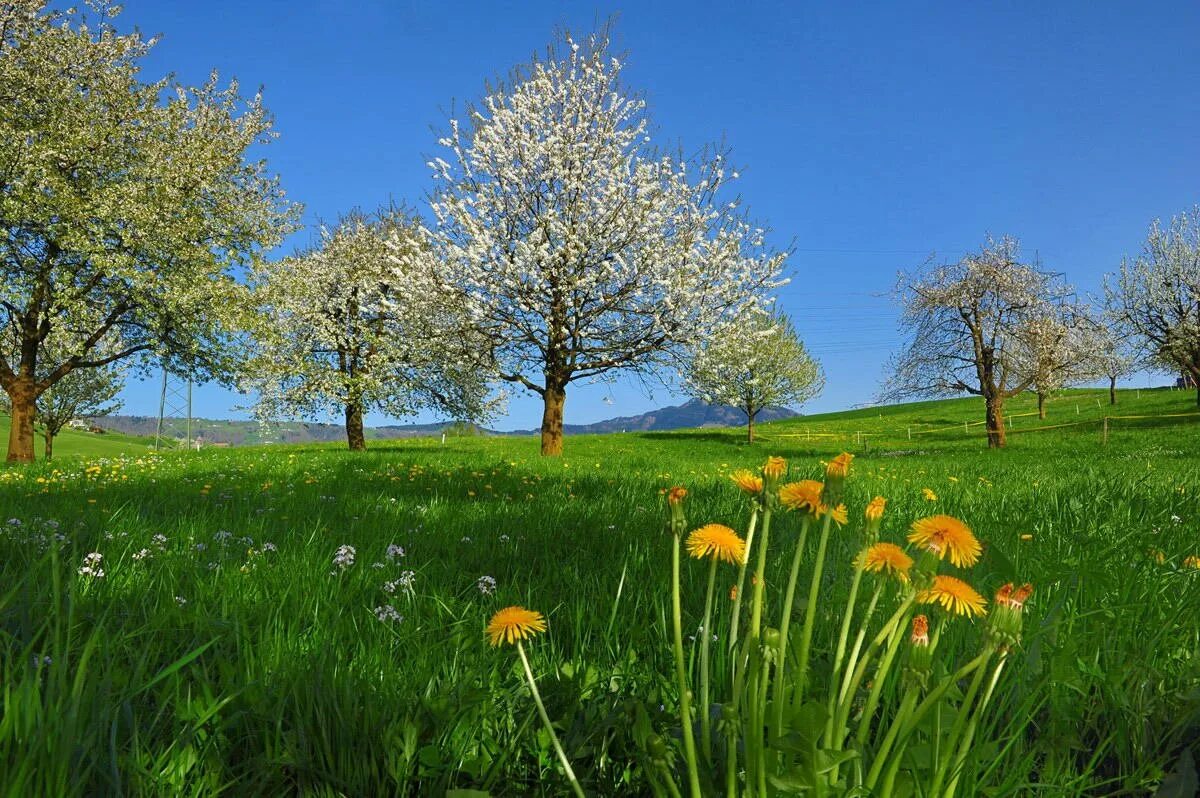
(74, 443)
(225, 651)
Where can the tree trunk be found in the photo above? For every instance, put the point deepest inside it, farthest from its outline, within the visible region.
(554, 399)
(1041, 405)
(23, 399)
(354, 427)
(995, 422)
(1112, 390)
(49, 436)
(750, 428)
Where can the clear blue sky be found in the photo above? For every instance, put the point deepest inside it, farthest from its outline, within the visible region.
(870, 135)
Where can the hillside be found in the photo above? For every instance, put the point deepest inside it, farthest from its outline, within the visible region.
(73, 443)
(692, 414)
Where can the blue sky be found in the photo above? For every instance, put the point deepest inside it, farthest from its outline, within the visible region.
(868, 135)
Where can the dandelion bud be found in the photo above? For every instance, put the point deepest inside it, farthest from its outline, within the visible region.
(771, 637)
(835, 477)
(920, 653)
(1005, 621)
(874, 517)
(775, 468)
(677, 522)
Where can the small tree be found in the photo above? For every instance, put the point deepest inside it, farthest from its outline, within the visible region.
(1113, 356)
(967, 323)
(126, 208)
(1054, 348)
(1156, 297)
(757, 361)
(577, 248)
(360, 322)
(84, 393)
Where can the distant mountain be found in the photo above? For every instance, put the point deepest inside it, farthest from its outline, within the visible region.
(689, 415)
(692, 414)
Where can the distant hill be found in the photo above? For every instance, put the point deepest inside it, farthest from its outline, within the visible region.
(692, 414)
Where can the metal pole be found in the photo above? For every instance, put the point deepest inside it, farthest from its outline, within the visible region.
(162, 406)
(189, 415)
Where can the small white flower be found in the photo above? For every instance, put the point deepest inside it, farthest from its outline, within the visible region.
(486, 585)
(387, 613)
(394, 552)
(343, 558)
(180, 600)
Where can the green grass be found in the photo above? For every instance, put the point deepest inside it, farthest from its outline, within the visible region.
(76, 443)
(212, 666)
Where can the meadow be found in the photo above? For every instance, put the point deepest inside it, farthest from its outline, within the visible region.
(309, 621)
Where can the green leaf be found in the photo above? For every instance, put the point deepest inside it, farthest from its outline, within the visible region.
(1182, 782)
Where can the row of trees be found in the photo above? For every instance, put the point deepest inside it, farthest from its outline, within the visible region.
(563, 246)
(995, 326)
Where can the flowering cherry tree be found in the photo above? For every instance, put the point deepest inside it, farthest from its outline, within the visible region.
(577, 248)
(753, 362)
(126, 207)
(1055, 347)
(969, 324)
(1157, 296)
(361, 322)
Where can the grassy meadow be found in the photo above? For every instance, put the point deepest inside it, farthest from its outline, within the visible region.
(231, 648)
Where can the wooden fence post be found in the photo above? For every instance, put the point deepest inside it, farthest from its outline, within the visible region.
(1105, 442)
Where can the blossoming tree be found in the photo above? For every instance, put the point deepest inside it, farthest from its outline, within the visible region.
(1157, 295)
(577, 248)
(755, 361)
(126, 207)
(361, 322)
(968, 324)
(1056, 347)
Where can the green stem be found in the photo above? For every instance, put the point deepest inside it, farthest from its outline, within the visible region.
(537, 699)
(881, 755)
(852, 660)
(760, 581)
(810, 611)
(847, 698)
(960, 722)
(964, 748)
(785, 623)
(881, 673)
(840, 652)
(735, 622)
(705, 637)
(685, 701)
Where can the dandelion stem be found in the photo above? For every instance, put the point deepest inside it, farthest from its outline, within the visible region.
(881, 672)
(705, 637)
(810, 611)
(840, 653)
(735, 622)
(685, 701)
(969, 735)
(785, 623)
(537, 699)
(760, 580)
(960, 721)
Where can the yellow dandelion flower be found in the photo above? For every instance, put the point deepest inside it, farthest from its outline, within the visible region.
(775, 468)
(1027, 537)
(839, 515)
(716, 541)
(747, 481)
(886, 558)
(954, 595)
(804, 495)
(929, 495)
(946, 535)
(839, 467)
(874, 511)
(1191, 561)
(514, 623)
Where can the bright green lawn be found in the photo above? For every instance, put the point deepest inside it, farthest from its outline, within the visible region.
(214, 665)
(74, 443)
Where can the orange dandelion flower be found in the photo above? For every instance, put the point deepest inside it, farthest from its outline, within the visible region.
(954, 595)
(804, 495)
(747, 481)
(886, 558)
(946, 535)
(512, 624)
(775, 468)
(716, 541)
(675, 495)
(920, 631)
(874, 511)
(839, 467)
